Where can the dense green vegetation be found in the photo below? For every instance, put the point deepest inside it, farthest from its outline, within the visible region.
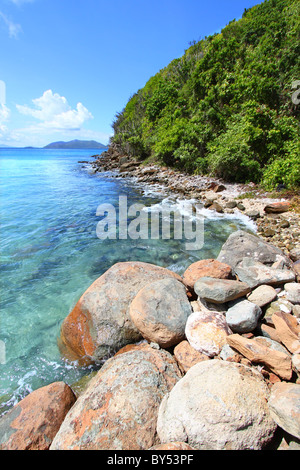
(225, 108)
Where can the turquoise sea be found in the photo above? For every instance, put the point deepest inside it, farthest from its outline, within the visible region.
(50, 254)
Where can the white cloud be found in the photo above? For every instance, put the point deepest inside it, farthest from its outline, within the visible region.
(13, 28)
(4, 117)
(55, 113)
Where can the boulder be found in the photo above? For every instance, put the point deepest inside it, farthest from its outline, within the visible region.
(217, 405)
(100, 323)
(284, 406)
(255, 273)
(277, 207)
(262, 295)
(288, 330)
(206, 268)
(243, 316)
(186, 356)
(160, 311)
(220, 290)
(277, 362)
(33, 423)
(206, 331)
(118, 410)
(241, 244)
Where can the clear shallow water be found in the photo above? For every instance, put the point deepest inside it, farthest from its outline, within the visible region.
(50, 254)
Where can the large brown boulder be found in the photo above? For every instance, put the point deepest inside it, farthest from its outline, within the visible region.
(118, 410)
(204, 268)
(34, 421)
(160, 311)
(100, 323)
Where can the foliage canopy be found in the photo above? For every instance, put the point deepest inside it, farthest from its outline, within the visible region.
(225, 107)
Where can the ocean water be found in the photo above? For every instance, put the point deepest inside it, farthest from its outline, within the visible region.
(50, 254)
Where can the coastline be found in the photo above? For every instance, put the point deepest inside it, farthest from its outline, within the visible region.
(227, 330)
(280, 226)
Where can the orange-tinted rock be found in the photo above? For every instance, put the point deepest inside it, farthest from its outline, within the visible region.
(278, 362)
(288, 330)
(206, 267)
(33, 423)
(160, 311)
(277, 207)
(100, 323)
(187, 356)
(118, 410)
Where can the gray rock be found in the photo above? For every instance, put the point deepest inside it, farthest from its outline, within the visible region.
(243, 316)
(242, 244)
(255, 273)
(217, 405)
(284, 406)
(262, 295)
(220, 290)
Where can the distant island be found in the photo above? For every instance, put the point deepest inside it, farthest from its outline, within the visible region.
(76, 144)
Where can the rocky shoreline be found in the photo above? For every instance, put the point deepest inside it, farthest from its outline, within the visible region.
(277, 219)
(209, 360)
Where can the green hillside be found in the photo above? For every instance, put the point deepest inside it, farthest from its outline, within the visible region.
(227, 107)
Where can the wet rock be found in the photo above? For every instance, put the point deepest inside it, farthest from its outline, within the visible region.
(33, 423)
(284, 406)
(243, 316)
(118, 410)
(217, 405)
(160, 311)
(206, 268)
(100, 323)
(220, 290)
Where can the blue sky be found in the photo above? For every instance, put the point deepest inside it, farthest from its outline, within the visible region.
(68, 66)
